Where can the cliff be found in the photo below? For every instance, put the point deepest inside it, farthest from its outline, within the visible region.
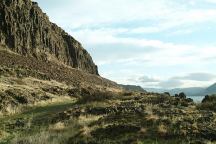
(26, 30)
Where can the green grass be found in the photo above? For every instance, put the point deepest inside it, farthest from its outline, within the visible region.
(155, 141)
(37, 119)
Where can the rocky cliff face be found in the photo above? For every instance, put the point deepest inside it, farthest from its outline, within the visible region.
(26, 30)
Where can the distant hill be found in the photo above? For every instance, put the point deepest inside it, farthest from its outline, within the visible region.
(192, 91)
(133, 88)
(211, 89)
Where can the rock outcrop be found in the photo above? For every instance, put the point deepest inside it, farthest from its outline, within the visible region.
(26, 30)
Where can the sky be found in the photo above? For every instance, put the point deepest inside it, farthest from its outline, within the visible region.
(151, 43)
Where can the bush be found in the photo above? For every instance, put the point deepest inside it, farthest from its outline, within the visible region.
(210, 99)
(182, 95)
(90, 95)
(208, 103)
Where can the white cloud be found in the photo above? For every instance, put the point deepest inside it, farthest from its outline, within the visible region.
(170, 84)
(197, 77)
(165, 14)
(102, 36)
(162, 53)
(200, 79)
(145, 79)
(99, 24)
(210, 1)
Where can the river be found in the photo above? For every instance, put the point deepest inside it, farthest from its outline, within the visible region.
(197, 99)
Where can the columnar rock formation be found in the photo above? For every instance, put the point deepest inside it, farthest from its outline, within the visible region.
(26, 30)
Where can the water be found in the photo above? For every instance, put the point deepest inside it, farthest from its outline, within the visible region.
(197, 99)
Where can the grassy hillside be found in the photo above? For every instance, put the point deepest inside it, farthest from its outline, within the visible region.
(28, 66)
(26, 81)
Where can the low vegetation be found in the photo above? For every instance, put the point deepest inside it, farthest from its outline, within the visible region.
(208, 103)
(39, 108)
(137, 118)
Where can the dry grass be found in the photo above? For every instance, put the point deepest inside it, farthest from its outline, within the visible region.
(58, 126)
(58, 133)
(54, 100)
(3, 135)
(152, 117)
(31, 90)
(149, 108)
(162, 130)
(29, 66)
(143, 130)
(43, 137)
(85, 120)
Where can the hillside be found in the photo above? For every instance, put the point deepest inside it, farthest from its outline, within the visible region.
(211, 89)
(34, 50)
(51, 93)
(133, 88)
(18, 74)
(191, 91)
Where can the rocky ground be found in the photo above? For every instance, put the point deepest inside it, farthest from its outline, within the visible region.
(123, 118)
(46, 103)
(143, 118)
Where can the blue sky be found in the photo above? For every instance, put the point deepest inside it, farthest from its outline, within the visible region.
(157, 43)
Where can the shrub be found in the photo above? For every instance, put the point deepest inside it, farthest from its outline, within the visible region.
(90, 95)
(182, 95)
(208, 103)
